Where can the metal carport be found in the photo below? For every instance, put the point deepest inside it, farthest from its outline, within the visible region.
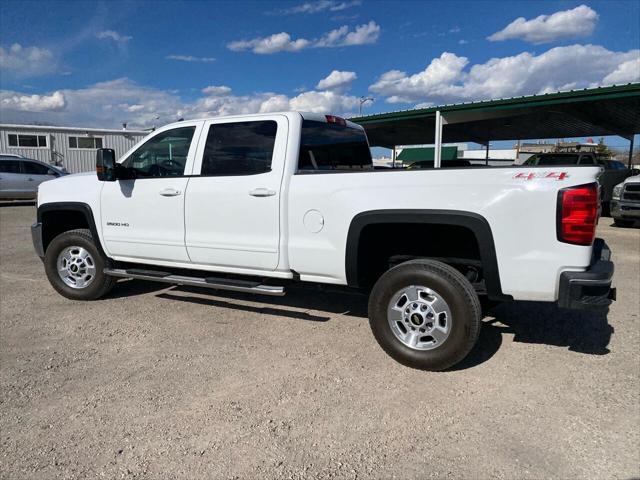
(599, 111)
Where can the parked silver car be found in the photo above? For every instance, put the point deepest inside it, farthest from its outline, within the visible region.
(20, 177)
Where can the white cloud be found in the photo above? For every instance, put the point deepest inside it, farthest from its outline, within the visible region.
(23, 62)
(578, 22)
(132, 108)
(438, 75)
(108, 104)
(104, 104)
(32, 103)
(190, 58)
(324, 102)
(282, 42)
(217, 90)
(341, 37)
(337, 80)
(276, 103)
(115, 36)
(448, 78)
(278, 42)
(321, 6)
(626, 72)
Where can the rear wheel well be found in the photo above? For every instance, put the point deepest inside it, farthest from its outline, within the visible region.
(384, 245)
(55, 222)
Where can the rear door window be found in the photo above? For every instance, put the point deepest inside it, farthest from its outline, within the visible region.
(329, 146)
(33, 168)
(241, 148)
(9, 166)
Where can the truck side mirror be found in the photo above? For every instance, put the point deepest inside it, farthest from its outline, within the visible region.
(106, 164)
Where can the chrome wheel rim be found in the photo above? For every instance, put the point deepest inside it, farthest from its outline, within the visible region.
(76, 267)
(419, 317)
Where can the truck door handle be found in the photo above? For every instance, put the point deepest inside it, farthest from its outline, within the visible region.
(170, 192)
(262, 192)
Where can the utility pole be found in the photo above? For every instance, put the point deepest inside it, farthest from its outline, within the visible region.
(363, 100)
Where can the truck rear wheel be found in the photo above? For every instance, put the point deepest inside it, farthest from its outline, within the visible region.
(425, 314)
(74, 266)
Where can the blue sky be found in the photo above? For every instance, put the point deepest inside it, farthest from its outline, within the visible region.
(149, 63)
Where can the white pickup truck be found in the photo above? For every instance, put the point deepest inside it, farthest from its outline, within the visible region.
(251, 203)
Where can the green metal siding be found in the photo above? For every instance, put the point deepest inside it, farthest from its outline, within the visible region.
(409, 155)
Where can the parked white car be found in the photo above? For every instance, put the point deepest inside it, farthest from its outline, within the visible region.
(20, 177)
(251, 203)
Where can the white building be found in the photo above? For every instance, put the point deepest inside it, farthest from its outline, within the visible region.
(70, 147)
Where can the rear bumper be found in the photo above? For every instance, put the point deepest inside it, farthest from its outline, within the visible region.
(590, 289)
(36, 237)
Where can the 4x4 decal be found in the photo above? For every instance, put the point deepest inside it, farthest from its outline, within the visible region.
(544, 175)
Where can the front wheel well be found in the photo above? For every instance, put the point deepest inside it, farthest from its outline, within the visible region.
(55, 222)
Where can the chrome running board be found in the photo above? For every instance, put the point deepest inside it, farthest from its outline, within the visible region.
(245, 286)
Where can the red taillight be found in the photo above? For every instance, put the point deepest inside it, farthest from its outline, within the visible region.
(578, 211)
(334, 119)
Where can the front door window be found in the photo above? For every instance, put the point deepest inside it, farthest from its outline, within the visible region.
(165, 155)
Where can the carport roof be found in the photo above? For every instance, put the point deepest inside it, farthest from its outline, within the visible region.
(611, 110)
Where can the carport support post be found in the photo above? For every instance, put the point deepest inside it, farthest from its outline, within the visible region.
(486, 156)
(437, 157)
(630, 151)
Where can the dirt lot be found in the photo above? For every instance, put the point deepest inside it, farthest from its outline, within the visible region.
(157, 383)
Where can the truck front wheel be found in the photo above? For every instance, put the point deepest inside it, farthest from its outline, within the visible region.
(74, 266)
(425, 314)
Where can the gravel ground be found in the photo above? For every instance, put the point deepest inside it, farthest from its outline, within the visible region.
(158, 383)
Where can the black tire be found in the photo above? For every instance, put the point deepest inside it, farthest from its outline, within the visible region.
(99, 286)
(619, 222)
(456, 291)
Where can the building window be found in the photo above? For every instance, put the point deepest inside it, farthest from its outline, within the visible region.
(33, 141)
(85, 142)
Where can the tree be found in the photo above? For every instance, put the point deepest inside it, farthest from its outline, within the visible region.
(602, 150)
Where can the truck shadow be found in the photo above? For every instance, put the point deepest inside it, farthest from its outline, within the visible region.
(324, 304)
(529, 322)
(18, 203)
(540, 323)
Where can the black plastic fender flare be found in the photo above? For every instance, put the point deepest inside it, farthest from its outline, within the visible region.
(474, 222)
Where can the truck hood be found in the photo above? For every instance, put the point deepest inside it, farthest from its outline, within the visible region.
(78, 187)
(634, 179)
